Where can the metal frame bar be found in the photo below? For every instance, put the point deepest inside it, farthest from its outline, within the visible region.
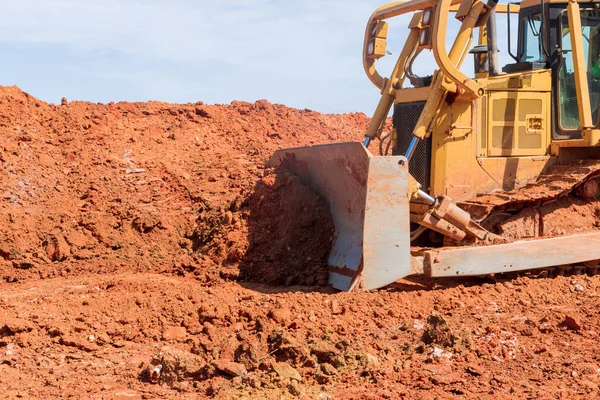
(517, 256)
(579, 66)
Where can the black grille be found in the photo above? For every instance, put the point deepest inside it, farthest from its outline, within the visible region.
(405, 118)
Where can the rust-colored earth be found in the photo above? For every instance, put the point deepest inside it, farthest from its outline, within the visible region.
(141, 258)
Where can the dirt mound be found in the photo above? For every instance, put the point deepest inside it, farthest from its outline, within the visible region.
(138, 186)
(139, 216)
(290, 233)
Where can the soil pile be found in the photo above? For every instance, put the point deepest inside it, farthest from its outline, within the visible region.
(124, 229)
(140, 186)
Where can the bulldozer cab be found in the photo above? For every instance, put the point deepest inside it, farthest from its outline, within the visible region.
(567, 112)
(545, 41)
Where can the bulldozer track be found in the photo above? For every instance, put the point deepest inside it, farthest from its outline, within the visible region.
(561, 181)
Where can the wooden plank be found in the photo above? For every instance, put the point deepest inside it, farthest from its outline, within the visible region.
(517, 256)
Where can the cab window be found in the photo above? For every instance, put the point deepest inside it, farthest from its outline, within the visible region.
(532, 45)
(568, 109)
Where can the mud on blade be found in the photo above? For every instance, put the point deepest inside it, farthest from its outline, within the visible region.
(368, 201)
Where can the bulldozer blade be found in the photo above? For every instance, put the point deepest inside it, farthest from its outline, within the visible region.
(369, 205)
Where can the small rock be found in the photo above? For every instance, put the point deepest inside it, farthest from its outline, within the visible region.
(324, 351)
(436, 353)
(57, 248)
(64, 102)
(336, 309)
(78, 344)
(227, 218)
(287, 348)
(294, 389)
(153, 372)
(328, 369)
(6, 251)
(545, 327)
(571, 323)
(172, 365)
(247, 354)
(437, 331)
(280, 315)
(12, 326)
(322, 378)
(285, 370)
(126, 395)
(367, 359)
(475, 370)
(231, 274)
(230, 368)
(202, 112)
(176, 333)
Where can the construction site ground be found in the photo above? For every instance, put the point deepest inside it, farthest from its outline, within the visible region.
(145, 252)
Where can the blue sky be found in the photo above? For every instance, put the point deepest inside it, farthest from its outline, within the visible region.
(305, 54)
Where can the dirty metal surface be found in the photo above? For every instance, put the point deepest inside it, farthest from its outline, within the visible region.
(512, 257)
(368, 201)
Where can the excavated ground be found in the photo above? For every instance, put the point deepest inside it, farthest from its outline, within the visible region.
(143, 255)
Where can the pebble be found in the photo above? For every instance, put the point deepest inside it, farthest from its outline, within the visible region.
(336, 309)
(572, 323)
(230, 367)
(126, 395)
(285, 370)
(175, 333)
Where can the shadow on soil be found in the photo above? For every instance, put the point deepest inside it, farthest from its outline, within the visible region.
(289, 236)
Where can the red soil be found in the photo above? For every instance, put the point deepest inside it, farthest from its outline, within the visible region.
(124, 229)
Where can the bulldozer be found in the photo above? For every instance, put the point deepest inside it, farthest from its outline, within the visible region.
(465, 179)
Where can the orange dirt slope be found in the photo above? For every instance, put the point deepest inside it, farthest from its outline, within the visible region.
(140, 258)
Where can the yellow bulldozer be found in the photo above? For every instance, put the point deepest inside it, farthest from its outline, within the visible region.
(468, 176)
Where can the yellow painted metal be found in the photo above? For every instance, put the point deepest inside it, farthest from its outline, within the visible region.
(410, 95)
(459, 170)
(453, 157)
(518, 123)
(436, 96)
(508, 173)
(384, 12)
(389, 91)
(377, 45)
(497, 133)
(449, 63)
(464, 161)
(533, 81)
(590, 138)
(579, 65)
(500, 8)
